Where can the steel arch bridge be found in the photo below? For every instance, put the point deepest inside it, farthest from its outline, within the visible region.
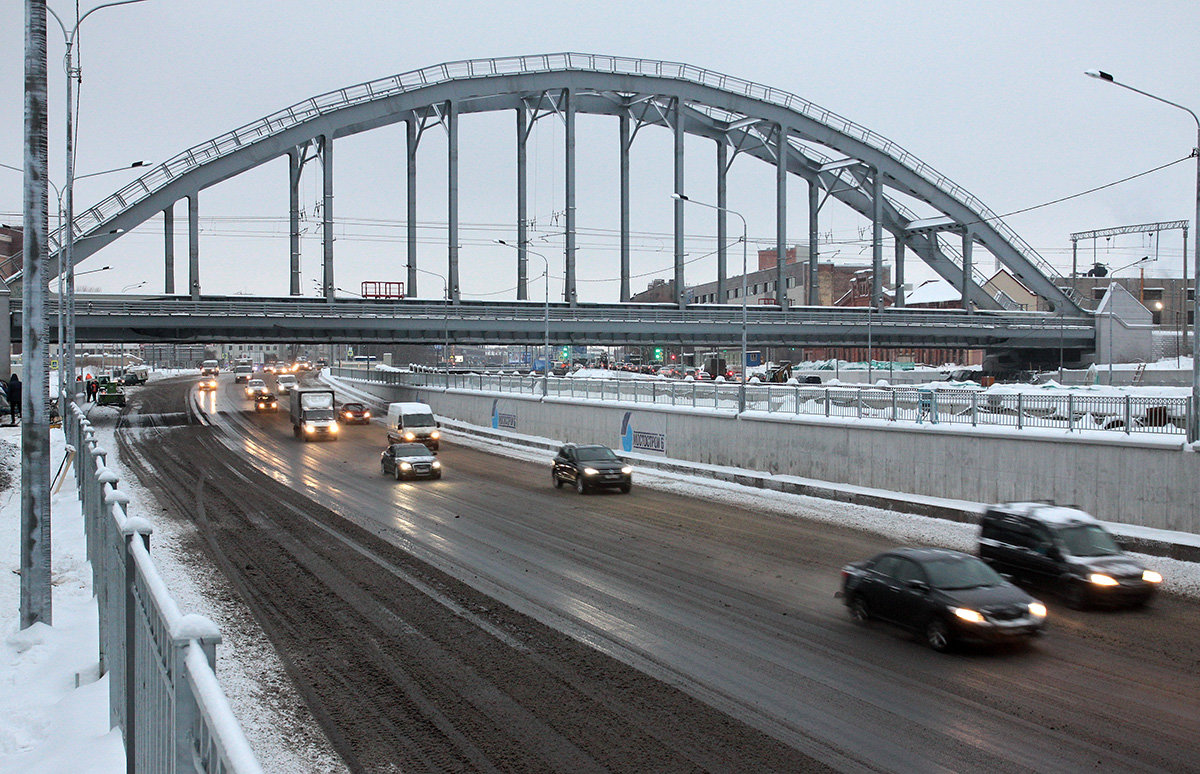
(835, 157)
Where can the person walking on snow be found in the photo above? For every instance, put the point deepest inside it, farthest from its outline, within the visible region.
(14, 399)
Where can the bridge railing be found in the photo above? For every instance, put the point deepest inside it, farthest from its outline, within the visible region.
(163, 690)
(164, 173)
(1018, 411)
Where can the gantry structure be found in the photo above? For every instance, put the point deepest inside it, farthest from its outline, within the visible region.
(833, 156)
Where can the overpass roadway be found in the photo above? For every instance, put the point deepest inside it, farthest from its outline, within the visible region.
(233, 319)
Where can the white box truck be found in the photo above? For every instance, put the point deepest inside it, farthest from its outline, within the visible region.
(312, 414)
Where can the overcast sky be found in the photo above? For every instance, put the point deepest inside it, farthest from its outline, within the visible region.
(990, 94)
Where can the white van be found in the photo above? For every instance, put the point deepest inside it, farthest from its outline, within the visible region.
(210, 368)
(412, 423)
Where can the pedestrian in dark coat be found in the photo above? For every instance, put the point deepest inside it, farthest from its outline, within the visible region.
(14, 398)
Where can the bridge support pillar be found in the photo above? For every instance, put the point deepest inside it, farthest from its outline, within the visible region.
(451, 118)
(522, 205)
(722, 219)
(568, 109)
(412, 136)
(169, 249)
(813, 296)
(326, 151)
(677, 116)
(781, 163)
(194, 246)
(626, 141)
(294, 166)
(968, 242)
(876, 239)
(899, 272)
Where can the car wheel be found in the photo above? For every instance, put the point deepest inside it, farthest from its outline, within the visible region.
(859, 610)
(580, 487)
(437, 476)
(625, 488)
(1075, 596)
(557, 480)
(398, 476)
(937, 635)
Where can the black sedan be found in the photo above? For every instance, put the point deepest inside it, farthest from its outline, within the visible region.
(591, 467)
(266, 401)
(409, 460)
(354, 414)
(943, 596)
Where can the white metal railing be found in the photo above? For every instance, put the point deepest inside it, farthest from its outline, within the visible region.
(161, 175)
(1018, 411)
(163, 690)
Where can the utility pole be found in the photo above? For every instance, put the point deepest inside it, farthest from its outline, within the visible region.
(35, 424)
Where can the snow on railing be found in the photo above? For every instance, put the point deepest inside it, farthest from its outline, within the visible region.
(163, 690)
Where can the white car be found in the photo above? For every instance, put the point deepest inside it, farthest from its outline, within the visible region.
(286, 382)
(254, 387)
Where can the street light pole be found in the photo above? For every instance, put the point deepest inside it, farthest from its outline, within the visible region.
(546, 331)
(445, 319)
(745, 370)
(1193, 429)
(67, 234)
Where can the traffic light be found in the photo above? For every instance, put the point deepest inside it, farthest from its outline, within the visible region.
(566, 354)
(658, 354)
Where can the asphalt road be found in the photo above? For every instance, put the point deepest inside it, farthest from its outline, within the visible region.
(732, 607)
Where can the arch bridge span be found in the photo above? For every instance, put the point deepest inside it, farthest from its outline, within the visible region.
(833, 156)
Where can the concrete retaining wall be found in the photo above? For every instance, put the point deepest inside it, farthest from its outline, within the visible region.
(1135, 481)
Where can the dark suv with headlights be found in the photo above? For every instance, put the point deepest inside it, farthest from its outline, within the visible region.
(591, 467)
(1065, 550)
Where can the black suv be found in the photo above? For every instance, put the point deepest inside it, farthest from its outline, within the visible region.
(591, 467)
(1065, 550)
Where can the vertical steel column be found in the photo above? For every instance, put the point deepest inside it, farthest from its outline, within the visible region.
(781, 162)
(168, 249)
(36, 598)
(899, 271)
(410, 127)
(522, 205)
(876, 239)
(294, 168)
(568, 108)
(968, 242)
(722, 226)
(814, 254)
(451, 116)
(194, 245)
(626, 141)
(678, 127)
(327, 216)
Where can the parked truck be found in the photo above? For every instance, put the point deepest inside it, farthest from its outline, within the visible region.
(313, 414)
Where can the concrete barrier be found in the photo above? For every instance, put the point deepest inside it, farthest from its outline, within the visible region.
(1148, 482)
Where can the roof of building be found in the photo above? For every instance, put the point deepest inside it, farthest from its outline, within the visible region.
(934, 291)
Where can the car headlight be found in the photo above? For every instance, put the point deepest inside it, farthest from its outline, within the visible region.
(348, 415)
(405, 466)
(627, 470)
(333, 428)
(366, 415)
(1100, 579)
(968, 615)
(308, 428)
(1037, 610)
(274, 404)
(435, 435)
(1150, 576)
(436, 465)
(590, 471)
(410, 436)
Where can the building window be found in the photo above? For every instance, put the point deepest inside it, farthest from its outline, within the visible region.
(1098, 293)
(791, 282)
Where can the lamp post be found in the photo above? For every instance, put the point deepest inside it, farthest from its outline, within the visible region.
(66, 243)
(445, 319)
(745, 373)
(1193, 429)
(546, 329)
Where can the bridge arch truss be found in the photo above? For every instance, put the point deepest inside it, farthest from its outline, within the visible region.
(835, 157)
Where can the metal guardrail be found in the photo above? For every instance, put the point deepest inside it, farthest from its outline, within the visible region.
(1018, 411)
(163, 690)
(161, 175)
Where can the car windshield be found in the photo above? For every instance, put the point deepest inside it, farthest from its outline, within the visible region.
(352, 406)
(410, 450)
(593, 453)
(266, 397)
(418, 420)
(320, 414)
(964, 572)
(1087, 540)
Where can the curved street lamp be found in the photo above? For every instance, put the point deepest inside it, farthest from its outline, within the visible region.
(1193, 428)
